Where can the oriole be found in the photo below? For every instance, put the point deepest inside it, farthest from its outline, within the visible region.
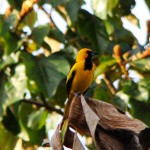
(80, 76)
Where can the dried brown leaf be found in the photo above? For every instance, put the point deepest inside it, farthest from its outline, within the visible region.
(69, 139)
(56, 142)
(77, 145)
(77, 118)
(91, 118)
(111, 118)
(110, 128)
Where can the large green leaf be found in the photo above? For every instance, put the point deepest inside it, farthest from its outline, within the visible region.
(28, 134)
(118, 34)
(16, 3)
(28, 20)
(60, 95)
(11, 122)
(13, 88)
(140, 110)
(11, 42)
(103, 8)
(73, 11)
(60, 63)
(139, 91)
(57, 35)
(8, 60)
(8, 22)
(43, 73)
(37, 119)
(121, 100)
(16, 87)
(101, 92)
(93, 29)
(142, 65)
(106, 63)
(7, 139)
(39, 32)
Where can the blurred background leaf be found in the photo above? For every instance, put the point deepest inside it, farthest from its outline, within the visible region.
(39, 41)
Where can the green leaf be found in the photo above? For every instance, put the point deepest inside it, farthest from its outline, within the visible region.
(8, 60)
(11, 42)
(8, 22)
(43, 73)
(102, 92)
(121, 100)
(13, 93)
(140, 110)
(55, 3)
(16, 3)
(93, 30)
(7, 139)
(148, 3)
(118, 34)
(105, 65)
(3, 92)
(37, 119)
(24, 111)
(10, 122)
(39, 32)
(142, 65)
(73, 11)
(28, 20)
(60, 95)
(139, 91)
(103, 8)
(57, 35)
(60, 62)
(28, 134)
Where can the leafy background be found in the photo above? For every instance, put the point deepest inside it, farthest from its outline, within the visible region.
(35, 60)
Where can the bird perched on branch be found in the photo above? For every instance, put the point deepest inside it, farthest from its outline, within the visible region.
(80, 76)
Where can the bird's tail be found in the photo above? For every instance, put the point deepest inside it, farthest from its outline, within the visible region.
(67, 107)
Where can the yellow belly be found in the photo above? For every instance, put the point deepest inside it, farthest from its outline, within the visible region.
(82, 80)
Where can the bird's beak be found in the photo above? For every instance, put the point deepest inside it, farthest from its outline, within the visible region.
(94, 53)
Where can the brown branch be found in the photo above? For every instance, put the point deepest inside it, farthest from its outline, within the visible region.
(109, 84)
(46, 105)
(48, 15)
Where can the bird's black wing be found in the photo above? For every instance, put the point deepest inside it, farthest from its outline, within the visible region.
(69, 81)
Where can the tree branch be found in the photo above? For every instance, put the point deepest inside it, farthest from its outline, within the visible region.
(109, 84)
(46, 105)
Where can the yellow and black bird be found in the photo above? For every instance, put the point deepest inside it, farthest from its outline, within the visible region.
(80, 76)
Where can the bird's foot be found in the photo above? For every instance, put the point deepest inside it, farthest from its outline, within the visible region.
(77, 94)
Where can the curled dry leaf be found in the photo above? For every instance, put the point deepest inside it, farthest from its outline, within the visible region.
(109, 128)
(77, 145)
(56, 141)
(72, 140)
(111, 118)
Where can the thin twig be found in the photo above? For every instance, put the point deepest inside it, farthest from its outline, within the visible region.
(109, 84)
(49, 16)
(47, 106)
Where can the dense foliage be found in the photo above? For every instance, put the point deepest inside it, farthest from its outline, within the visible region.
(35, 59)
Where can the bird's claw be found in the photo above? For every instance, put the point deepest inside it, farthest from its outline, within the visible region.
(77, 94)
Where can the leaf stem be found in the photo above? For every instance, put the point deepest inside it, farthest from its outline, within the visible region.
(46, 105)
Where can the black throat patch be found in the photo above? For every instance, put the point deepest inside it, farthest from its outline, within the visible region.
(88, 62)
